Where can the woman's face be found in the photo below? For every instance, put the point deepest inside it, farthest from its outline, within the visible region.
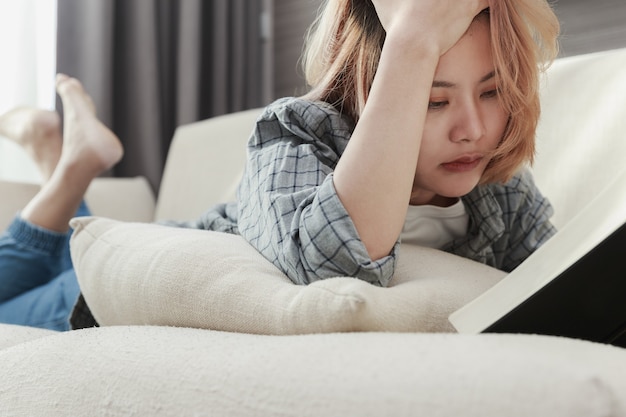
(464, 123)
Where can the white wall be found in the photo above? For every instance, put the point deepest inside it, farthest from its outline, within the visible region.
(27, 68)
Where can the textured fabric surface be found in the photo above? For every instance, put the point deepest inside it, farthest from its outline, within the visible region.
(133, 273)
(154, 371)
(11, 335)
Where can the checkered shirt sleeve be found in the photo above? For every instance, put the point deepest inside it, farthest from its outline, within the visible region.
(288, 207)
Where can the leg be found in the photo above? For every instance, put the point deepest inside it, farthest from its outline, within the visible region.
(89, 148)
(34, 250)
(30, 257)
(48, 306)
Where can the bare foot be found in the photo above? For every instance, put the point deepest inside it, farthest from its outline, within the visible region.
(38, 132)
(89, 147)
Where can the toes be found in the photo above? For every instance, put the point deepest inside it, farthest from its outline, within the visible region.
(73, 94)
(66, 85)
(60, 79)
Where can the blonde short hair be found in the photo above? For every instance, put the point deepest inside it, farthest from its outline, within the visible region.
(344, 44)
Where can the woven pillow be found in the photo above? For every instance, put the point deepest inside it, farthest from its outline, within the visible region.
(136, 273)
(171, 371)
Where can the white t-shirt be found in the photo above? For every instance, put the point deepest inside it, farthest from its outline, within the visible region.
(434, 226)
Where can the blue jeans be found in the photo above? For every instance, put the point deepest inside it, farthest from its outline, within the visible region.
(38, 286)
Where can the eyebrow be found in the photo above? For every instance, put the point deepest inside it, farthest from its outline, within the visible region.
(448, 84)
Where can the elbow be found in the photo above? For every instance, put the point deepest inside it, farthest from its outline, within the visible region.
(377, 250)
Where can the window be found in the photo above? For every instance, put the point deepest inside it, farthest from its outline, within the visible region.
(28, 45)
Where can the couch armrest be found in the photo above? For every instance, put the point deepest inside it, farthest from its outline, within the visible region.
(128, 199)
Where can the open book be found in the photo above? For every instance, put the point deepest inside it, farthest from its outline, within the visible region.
(574, 285)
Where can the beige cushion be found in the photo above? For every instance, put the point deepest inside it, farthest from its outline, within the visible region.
(11, 335)
(132, 273)
(156, 371)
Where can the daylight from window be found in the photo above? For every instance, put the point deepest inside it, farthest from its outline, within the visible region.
(28, 46)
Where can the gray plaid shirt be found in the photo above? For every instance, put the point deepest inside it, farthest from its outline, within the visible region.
(289, 211)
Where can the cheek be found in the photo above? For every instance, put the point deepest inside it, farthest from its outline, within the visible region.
(497, 124)
(432, 141)
(436, 128)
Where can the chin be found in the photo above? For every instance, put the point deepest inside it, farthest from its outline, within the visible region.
(459, 189)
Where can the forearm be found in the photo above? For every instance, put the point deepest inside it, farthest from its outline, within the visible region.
(312, 241)
(375, 174)
(288, 206)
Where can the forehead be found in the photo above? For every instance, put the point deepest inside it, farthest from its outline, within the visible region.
(470, 57)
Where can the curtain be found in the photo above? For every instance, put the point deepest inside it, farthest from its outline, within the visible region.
(152, 65)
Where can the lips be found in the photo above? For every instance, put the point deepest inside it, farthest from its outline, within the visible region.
(464, 163)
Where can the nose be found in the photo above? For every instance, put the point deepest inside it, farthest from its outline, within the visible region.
(468, 124)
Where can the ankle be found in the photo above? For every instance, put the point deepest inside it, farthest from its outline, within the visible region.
(75, 173)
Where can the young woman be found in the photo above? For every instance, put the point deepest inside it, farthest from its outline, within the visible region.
(419, 121)
(420, 117)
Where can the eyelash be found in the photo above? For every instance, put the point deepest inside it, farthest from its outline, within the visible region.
(491, 93)
(437, 105)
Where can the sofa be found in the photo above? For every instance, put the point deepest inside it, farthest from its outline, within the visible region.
(197, 323)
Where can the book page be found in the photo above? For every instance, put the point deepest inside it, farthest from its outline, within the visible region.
(595, 222)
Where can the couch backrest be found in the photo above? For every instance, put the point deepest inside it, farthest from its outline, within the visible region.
(204, 165)
(581, 140)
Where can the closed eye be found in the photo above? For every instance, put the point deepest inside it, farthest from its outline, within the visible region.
(437, 105)
(490, 94)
